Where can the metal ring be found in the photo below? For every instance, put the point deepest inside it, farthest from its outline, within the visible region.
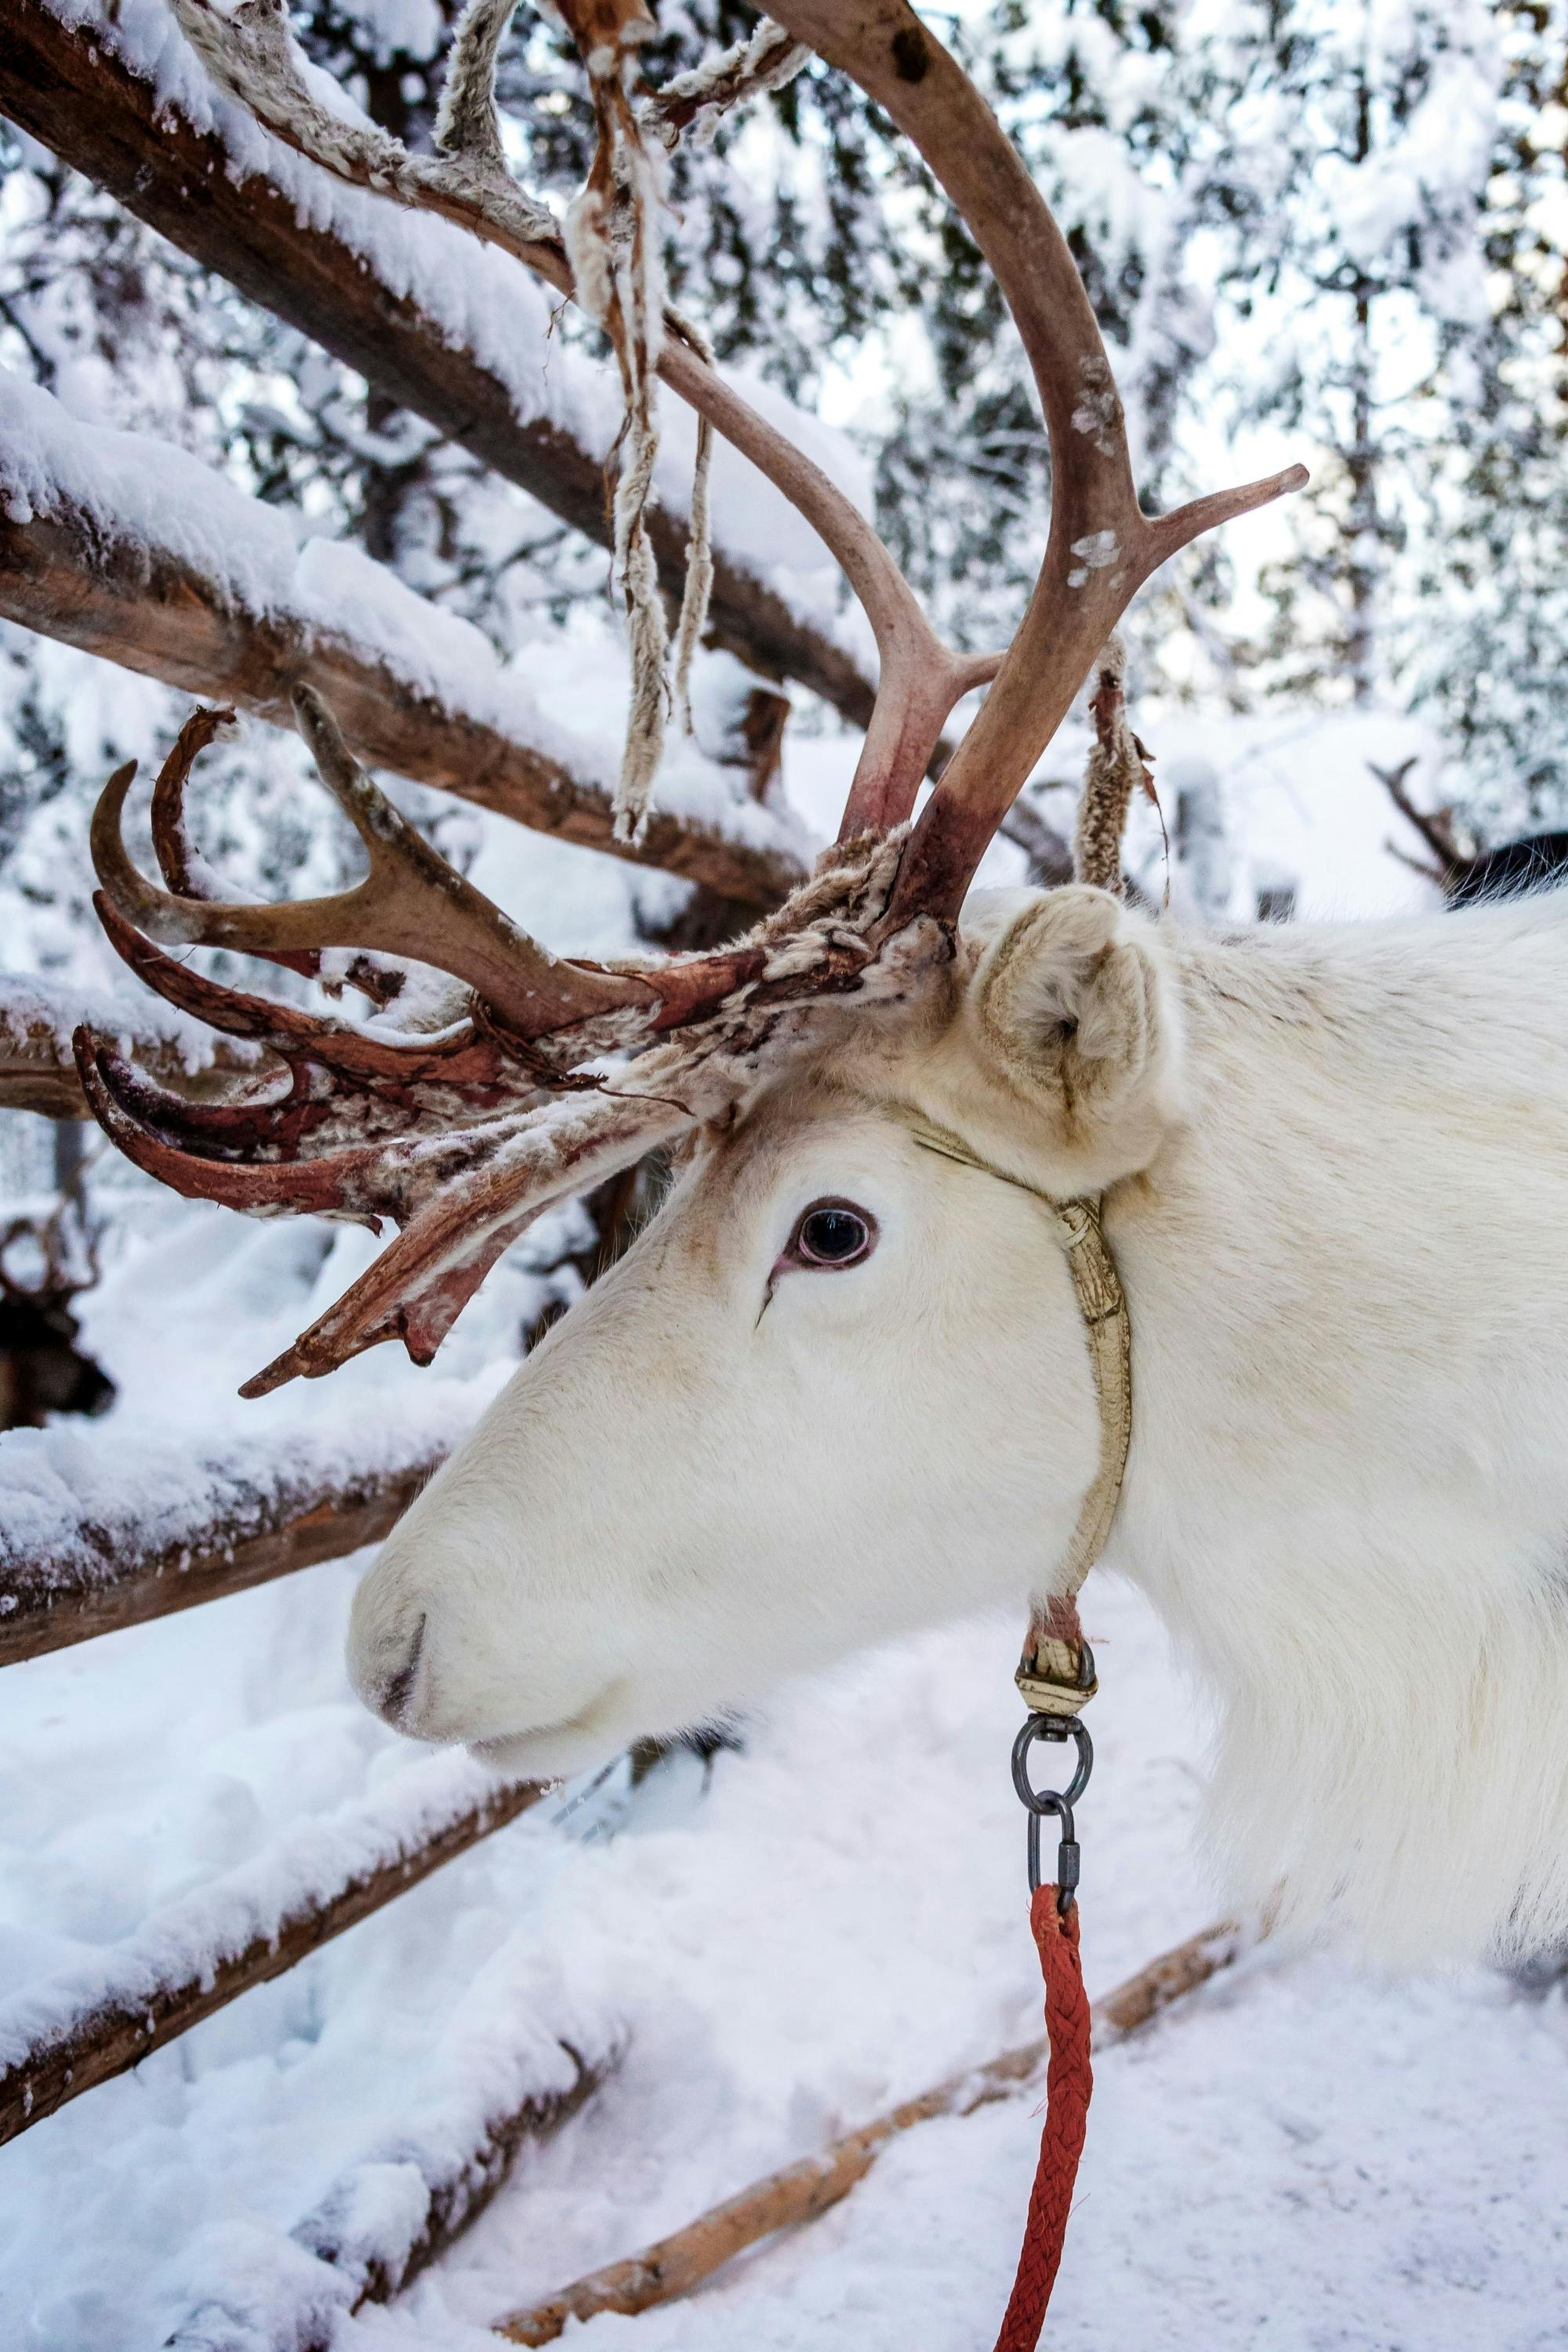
(1056, 1728)
(1085, 1667)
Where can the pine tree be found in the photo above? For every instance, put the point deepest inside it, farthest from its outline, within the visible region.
(1346, 207)
(1488, 652)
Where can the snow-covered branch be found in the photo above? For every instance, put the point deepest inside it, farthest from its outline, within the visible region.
(73, 1566)
(37, 1017)
(387, 2216)
(128, 547)
(456, 332)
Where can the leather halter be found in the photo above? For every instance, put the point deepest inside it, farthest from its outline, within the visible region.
(1056, 1672)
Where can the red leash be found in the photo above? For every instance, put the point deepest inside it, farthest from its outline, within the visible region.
(1069, 2080)
(1068, 2083)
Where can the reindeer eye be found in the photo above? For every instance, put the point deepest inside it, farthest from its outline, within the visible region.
(833, 1234)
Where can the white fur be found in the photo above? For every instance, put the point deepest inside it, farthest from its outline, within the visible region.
(1337, 1162)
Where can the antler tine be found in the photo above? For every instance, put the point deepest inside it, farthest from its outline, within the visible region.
(352, 1183)
(423, 906)
(411, 903)
(920, 678)
(457, 1216)
(1101, 546)
(459, 1056)
(180, 862)
(186, 871)
(378, 1133)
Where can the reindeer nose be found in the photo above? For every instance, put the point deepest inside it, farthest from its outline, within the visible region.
(392, 1684)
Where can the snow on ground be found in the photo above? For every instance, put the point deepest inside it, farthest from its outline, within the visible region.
(1298, 2158)
(1301, 2159)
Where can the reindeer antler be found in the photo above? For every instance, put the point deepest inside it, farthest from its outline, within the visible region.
(412, 903)
(462, 1134)
(464, 1130)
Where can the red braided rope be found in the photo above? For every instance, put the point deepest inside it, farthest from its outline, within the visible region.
(1068, 2081)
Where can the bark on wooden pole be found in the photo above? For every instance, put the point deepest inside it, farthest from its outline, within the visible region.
(71, 86)
(800, 2191)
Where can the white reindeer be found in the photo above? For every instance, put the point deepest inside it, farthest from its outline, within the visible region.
(841, 1386)
(1336, 1171)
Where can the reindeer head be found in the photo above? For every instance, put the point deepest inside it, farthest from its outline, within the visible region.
(840, 1377)
(837, 1358)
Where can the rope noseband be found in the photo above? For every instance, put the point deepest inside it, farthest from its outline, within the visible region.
(1056, 1679)
(1056, 1672)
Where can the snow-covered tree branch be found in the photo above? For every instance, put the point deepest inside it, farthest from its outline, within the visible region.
(457, 335)
(125, 547)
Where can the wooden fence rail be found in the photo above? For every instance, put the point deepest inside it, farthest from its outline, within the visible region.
(37, 1017)
(114, 1576)
(203, 1954)
(236, 613)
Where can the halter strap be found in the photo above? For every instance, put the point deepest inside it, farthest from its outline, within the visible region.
(1056, 1672)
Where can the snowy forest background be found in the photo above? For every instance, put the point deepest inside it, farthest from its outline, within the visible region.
(1327, 230)
(1333, 230)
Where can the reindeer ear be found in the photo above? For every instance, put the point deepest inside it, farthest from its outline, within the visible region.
(1072, 999)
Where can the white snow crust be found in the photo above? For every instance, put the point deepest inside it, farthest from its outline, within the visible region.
(49, 1010)
(190, 1939)
(77, 1504)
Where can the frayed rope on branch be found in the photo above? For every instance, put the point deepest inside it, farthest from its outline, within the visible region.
(1117, 765)
(699, 585)
(613, 240)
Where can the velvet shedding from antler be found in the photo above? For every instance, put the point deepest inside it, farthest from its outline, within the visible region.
(461, 1109)
(462, 1130)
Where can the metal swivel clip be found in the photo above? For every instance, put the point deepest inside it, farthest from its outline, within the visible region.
(1039, 1802)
